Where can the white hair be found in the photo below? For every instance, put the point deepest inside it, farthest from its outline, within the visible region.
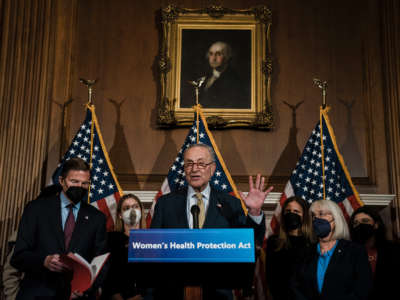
(225, 48)
(341, 230)
(200, 145)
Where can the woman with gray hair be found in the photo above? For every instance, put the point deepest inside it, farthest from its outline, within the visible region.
(335, 268)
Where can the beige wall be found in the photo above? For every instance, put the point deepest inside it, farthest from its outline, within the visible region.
(117, 42)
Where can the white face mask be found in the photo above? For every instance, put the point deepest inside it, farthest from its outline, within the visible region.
(131, 217)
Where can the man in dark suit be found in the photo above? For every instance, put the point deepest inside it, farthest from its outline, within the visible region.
(55, 225)
(220, 210)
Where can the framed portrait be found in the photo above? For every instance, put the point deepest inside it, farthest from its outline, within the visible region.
(220, 58)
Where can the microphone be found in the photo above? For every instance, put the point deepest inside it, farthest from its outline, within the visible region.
(195, 210)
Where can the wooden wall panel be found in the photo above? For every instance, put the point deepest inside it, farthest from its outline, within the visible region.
(391, 62)
(26, 65)
(309, 39)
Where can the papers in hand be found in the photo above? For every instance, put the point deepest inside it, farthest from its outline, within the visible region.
(84, 273)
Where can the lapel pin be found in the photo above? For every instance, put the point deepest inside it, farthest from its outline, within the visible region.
(86, 218)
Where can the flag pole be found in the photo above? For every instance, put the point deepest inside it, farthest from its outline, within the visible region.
(197, 114)
(323, 85)
(89, 84)
(321, 109)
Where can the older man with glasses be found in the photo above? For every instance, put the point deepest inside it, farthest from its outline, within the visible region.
(216, 209)
(221, 210)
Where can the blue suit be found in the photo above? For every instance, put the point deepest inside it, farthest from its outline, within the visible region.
(41, 234)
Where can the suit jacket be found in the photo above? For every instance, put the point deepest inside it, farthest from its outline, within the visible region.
(387, 266)
(41, 234)
(228, 91)
(224, 211)
(348, 276)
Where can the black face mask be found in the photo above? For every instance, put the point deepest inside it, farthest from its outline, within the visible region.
(76, 193)
(292, 221)
(363, 232)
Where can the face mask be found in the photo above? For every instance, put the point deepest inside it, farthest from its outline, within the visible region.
(292, 220)
(321, 227)
(131, 217)
(76, 193)
(363, 232)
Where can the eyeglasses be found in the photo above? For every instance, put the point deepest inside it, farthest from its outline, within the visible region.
(200, 165)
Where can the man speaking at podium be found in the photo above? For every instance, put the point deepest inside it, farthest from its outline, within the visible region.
(215, 209)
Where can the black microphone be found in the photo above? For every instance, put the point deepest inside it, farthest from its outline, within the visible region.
(195, 210)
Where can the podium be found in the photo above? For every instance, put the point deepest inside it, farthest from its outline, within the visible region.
(170, 260)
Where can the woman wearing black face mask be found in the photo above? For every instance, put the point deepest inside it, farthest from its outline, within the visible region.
(286, 249)
(368, 229)
(336, 268)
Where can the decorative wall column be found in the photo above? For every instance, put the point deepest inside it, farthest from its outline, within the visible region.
(391, 74)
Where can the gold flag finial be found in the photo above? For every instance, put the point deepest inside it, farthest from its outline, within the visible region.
(324, 86)
(197, 84)
(89, 83)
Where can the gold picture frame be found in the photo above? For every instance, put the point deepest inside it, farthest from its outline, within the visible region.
(188, 36)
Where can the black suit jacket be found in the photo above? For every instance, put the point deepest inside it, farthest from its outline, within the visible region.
(228, 91)
(41, 234)
(387, 267)
(348, 276)
(224, 211)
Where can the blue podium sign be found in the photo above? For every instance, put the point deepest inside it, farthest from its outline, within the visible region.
(192, 245)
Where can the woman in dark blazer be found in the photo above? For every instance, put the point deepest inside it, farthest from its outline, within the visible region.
(122, 278)
(287, 248)
(336, 268)
(368, 229)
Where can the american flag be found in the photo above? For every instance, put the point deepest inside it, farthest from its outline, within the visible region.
(175, 180)
(320, 159)
(104, 191)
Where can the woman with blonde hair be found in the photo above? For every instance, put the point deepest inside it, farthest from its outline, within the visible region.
(121, 281)
(337, 268)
